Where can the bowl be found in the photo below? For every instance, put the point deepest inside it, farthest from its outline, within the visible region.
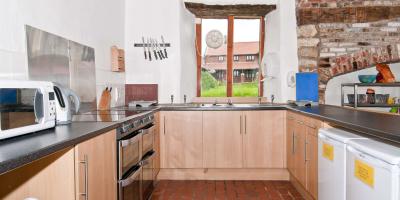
(361, 98)
(367, 78)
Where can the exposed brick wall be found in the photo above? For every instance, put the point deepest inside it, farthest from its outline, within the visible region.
(344, 3)
(337, 48)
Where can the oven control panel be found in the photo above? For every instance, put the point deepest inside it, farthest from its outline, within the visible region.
(133, 125)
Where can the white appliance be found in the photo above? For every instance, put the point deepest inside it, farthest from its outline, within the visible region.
(65, 97)
(373, 171)
(332, 144)
(25, 107)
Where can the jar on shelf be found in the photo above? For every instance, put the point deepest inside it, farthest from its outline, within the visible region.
(370, 96)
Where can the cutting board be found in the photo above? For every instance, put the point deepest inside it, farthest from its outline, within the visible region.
(307, 86)
(105, 99)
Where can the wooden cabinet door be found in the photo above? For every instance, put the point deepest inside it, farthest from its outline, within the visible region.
(181, 139)
(312, 161)
(263, 139)
(156, 144)
(96, 168)
(222, 142)
(300, 153)
(51, 177)
(290, 151)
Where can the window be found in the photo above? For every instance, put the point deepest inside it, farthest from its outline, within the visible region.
(250, 58)
(219, 77)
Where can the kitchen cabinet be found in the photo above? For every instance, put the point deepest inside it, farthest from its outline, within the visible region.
(263, 139)
(181, 139)
(95, 168)
(299, 152)
(157, 161)
(290, 153)
(51, 177)
(302, 151)
(223, 139)
(312, 158)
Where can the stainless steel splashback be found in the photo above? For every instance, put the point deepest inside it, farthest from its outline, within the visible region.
(54, 58)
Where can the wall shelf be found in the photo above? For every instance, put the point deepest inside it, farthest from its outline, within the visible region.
(355, 87)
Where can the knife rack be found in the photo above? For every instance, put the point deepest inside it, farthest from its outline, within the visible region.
(150, 45)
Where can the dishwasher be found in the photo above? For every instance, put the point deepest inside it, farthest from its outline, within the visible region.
(332, 144)
(374, 170)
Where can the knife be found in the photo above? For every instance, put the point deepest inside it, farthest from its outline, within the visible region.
(159, 52)
(148, 48)
(165, 49)
(144, 49)
(153, 46)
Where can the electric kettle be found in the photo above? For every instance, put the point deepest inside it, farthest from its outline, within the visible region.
(65, 97)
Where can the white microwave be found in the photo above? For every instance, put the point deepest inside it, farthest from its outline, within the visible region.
(26, 107)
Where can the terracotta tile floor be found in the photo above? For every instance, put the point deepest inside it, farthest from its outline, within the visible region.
(227, 190)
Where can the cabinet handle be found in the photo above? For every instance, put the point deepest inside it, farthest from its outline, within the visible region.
(164, 124)
(85, 163)
(305, 151)
(245, 124)
(240, 124)
(293, 138)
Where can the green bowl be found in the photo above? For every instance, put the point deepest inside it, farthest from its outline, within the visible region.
(367, 78)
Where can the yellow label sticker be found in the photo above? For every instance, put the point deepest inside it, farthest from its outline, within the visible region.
(364, 172)
(328, 151)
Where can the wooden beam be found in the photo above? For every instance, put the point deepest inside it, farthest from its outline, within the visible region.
(346, 14)
(223, 11)
(229, 58)
(261, 56)
(198, 57)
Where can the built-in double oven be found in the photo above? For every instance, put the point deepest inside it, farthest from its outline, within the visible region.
(135, 159)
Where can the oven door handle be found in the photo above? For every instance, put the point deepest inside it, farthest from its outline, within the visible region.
(126, 182)
(124, 143)
(147, 130)
(146, 160)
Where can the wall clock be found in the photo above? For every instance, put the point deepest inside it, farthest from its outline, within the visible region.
(214, 39)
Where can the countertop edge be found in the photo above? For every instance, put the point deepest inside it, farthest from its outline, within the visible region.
(28, 158)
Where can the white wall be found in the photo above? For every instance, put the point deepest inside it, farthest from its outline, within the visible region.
(95, 23)
(281, 50)
(333, 89)
(153, 18)
(177, 75)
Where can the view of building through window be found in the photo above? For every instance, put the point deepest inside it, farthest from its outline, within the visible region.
(245, 59)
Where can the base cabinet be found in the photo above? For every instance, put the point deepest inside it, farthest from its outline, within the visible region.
(95, 167)
(312, 161)
(51, 177)
(302, 151)
(263, 139)
(181, 139)
(223, 139)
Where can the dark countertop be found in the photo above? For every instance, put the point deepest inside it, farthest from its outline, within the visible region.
(373, 124)
(19, 151)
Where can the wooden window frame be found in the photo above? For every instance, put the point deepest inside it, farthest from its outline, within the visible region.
(229, 70)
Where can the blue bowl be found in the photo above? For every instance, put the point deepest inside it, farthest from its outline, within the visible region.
(367, 78)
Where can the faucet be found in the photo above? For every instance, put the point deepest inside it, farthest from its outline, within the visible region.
(230, 102)
(215, 102)
(259, 100)
(184, 98)
(172, 98)
(272, 99)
